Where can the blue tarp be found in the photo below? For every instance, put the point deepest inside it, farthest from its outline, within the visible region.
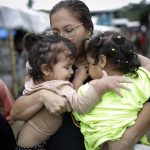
(3, 33)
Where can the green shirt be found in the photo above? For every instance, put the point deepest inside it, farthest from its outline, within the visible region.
(109, 119)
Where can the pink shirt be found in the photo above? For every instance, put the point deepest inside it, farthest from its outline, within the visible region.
(76, 102)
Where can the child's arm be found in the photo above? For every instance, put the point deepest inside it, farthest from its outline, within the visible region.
(81, 75)
(84, 102)
(147, 67)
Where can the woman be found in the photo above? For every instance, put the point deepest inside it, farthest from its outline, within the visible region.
(72, 20)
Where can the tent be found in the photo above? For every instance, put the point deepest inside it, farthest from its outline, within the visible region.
(16, 19)
(28, 20)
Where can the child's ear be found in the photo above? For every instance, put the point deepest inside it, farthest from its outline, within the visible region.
(45, 69)
(102, 61)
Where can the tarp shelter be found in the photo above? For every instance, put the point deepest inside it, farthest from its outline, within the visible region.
(14, 19)
(28, 20)
(93, 5)
(3, 33)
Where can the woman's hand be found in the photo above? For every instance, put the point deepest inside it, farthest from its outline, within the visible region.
(132, 135)
(127, 142)
(120, 145)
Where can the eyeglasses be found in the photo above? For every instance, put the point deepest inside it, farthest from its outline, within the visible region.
(68, 32)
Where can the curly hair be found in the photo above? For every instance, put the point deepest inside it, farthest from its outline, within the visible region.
(44, 49)
(118, 50)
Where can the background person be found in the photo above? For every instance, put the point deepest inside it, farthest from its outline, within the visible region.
(6, 101)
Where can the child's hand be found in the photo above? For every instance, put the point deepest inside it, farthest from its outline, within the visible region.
(110, 83)
(53, 102)
(81, 75)
(114, 83)
(126, 142)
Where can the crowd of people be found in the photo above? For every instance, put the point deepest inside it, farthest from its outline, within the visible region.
(81, 91)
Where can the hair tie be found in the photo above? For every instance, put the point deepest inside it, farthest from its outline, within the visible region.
(113, 49)
(119, 39)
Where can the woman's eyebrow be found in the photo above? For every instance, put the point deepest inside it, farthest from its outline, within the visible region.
(69, 25)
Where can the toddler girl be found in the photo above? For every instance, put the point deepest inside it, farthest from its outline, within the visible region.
(114, 53)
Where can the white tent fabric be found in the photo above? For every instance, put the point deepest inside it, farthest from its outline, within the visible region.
(28, 20)
(102, 28)
(94, 5)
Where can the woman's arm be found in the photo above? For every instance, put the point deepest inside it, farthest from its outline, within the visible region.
(27, 106)
(134, 133)
(144, 60)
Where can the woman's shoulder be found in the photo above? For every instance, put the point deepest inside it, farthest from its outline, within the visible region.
(143, 73)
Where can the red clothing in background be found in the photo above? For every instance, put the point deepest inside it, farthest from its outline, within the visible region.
(6, 101)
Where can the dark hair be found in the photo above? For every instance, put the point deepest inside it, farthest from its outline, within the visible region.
(118, 51)
(44, 49)
(78, 9)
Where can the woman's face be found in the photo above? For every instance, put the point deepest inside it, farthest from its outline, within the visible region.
(63, 22)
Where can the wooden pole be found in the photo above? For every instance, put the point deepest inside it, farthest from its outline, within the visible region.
(12, 54)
